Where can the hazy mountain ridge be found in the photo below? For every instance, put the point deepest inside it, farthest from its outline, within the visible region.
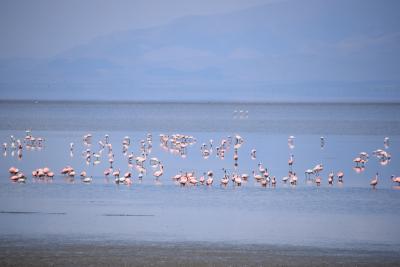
(283, 42)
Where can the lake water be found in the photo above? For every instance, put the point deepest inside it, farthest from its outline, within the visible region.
(351, 214)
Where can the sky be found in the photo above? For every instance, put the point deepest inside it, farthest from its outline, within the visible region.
(224, 50)
(43, 28)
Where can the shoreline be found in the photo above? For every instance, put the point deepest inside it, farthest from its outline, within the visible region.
(36, 252)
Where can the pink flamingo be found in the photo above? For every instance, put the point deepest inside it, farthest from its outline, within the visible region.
(293, 179)
(183, 180)
(128, 176)
(46, 170)
(357, 160)
(210, 179)
(291, 161)
(395, 179)
(159, 173)
(116, 173)
(71, 173)
(225, 179)
(40, 173)
(237, 180)
(374, 181)
(273, 181)
(13, 170)
(257, 177)
(330, 178)
(340, 175)
(318, 180)
(107, 172)
(202, 179)
(264, 182)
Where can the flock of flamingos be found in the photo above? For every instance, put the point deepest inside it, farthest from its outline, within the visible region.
(178, 144)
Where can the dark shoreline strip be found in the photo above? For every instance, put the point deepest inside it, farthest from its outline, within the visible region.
(129, 215)
(32, 212)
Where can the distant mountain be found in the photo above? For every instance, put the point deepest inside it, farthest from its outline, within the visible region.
(245, 53)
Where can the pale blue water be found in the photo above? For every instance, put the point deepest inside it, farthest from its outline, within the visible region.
(350, 215)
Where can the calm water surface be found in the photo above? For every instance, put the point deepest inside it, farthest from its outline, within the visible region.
(351, 214)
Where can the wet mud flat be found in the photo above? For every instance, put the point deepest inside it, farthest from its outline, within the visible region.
(36, 252)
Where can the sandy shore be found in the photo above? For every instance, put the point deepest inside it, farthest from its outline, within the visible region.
(85, 253)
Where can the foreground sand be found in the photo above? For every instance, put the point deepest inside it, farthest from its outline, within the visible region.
(89, 253)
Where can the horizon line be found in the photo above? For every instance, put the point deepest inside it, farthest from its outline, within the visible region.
(226, 102)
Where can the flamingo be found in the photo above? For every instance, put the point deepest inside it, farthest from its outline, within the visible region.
(253, 154)
(330, 178)
(209, 181)
(111, 161)
(13, 170)
(40, 173)
(177, 177)
(340, 175)
(261, 169)
(235, 155)
(374, 181)
(291, 160)
(318, 180)
(308, 173)
(273, 181)
(225, 179)
(266, 176)
(237, 180)
(258, 177)
(71, 173)
(318, 168)
(266, 173)
(364, 155)
(46, 170)
(14, 178)
(285, 179)
(116, 174)
(204, 151)
(293, 179)
(193, 180)
(21, 177)
(66, 170)
(183, 180)
(107, 172)
(357, 160)
(264, 182)
(127, 177)
(202, 178)
(87, 179)
(141, 160)
(291, 141)
(159, 173)
(386, 142)
(395, 179)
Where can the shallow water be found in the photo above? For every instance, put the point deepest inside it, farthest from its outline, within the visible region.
(347, 215)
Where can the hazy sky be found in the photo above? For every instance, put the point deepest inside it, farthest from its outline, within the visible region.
(211, 49)
(42, 28)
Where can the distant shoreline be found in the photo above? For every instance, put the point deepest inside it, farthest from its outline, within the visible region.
(168, 102)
